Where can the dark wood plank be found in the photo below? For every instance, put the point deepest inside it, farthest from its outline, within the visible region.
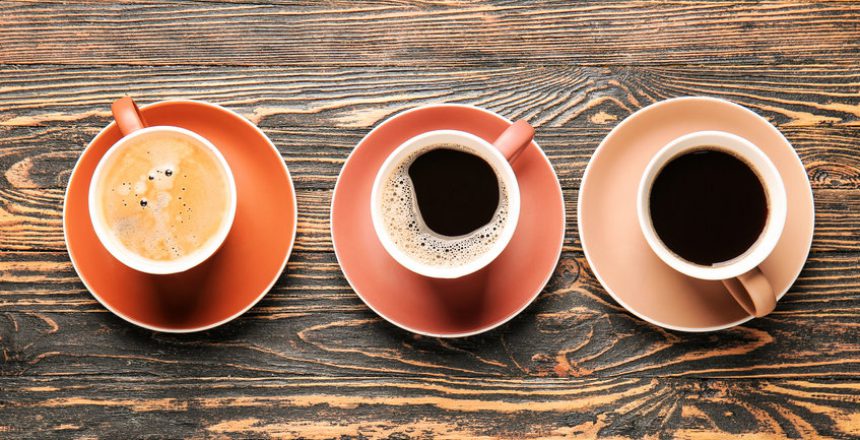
(312, 323)
(357, 97)
(430, 33)
(47, 115)
(407, 408)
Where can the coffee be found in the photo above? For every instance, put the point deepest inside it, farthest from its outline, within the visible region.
(708, 206)
(163, 195)
(456, 192)
(444, 205)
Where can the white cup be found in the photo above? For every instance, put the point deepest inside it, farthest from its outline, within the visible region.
(138, 262)
(741, 275)
(498, 155)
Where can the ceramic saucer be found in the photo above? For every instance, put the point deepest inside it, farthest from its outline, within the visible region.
(238, 275)
(450, 308)
(616, 248)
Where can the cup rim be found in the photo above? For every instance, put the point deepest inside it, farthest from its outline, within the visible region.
(500, 164)
(138, 262)
(772, 183)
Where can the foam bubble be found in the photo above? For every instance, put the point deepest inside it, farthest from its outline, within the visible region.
(406, 228)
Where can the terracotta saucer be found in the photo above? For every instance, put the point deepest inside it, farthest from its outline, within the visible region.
(616, 248)
(238, 275)
(464, 306)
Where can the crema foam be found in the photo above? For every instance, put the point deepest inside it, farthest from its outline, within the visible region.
(163, 196)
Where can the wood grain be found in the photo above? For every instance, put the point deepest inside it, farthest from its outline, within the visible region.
(47, 115)
(429, 33)
(311, 360)
(357, 97)
(312, 323)
(317, 407)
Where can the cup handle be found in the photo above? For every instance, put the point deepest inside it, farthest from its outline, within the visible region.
(515, 139)
(753, 292)
(127, 115)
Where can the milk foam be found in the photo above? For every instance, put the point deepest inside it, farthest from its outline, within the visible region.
(406, 229)
(163, 196)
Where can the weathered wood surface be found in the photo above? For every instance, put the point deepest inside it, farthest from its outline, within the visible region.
(453, 408)
(311, 360)
(442, 33)
(312, 323)
(316, 120)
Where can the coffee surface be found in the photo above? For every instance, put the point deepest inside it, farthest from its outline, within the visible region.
(708, 206)
(444, 205)
(456, 191)
(163, 196)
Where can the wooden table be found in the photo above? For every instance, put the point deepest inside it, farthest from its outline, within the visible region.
(311, 360)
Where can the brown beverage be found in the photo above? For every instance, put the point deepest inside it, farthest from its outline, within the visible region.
(457, 192)
(163, 195)
(444, 205)
(708, 206)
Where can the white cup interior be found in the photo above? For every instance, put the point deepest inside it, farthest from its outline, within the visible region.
(474, 145)
(758, 162)
(134, 260)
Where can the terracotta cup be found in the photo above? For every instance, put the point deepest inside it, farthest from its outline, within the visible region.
(499, 154)
(132, 126)
(740, 275)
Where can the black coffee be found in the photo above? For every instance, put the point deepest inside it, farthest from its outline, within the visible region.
(457, 192)
(708, 206)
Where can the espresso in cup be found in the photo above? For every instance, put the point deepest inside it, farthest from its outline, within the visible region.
(163, 195)
(162, 199)
(708, 206)
(444, 205)
(713, 206)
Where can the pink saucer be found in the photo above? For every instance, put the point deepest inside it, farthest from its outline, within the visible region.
(615, 247)
(234, 278)
(451, 308)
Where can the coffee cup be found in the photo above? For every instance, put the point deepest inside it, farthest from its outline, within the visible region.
(445, 203)
(712, 206)
(162, 199)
